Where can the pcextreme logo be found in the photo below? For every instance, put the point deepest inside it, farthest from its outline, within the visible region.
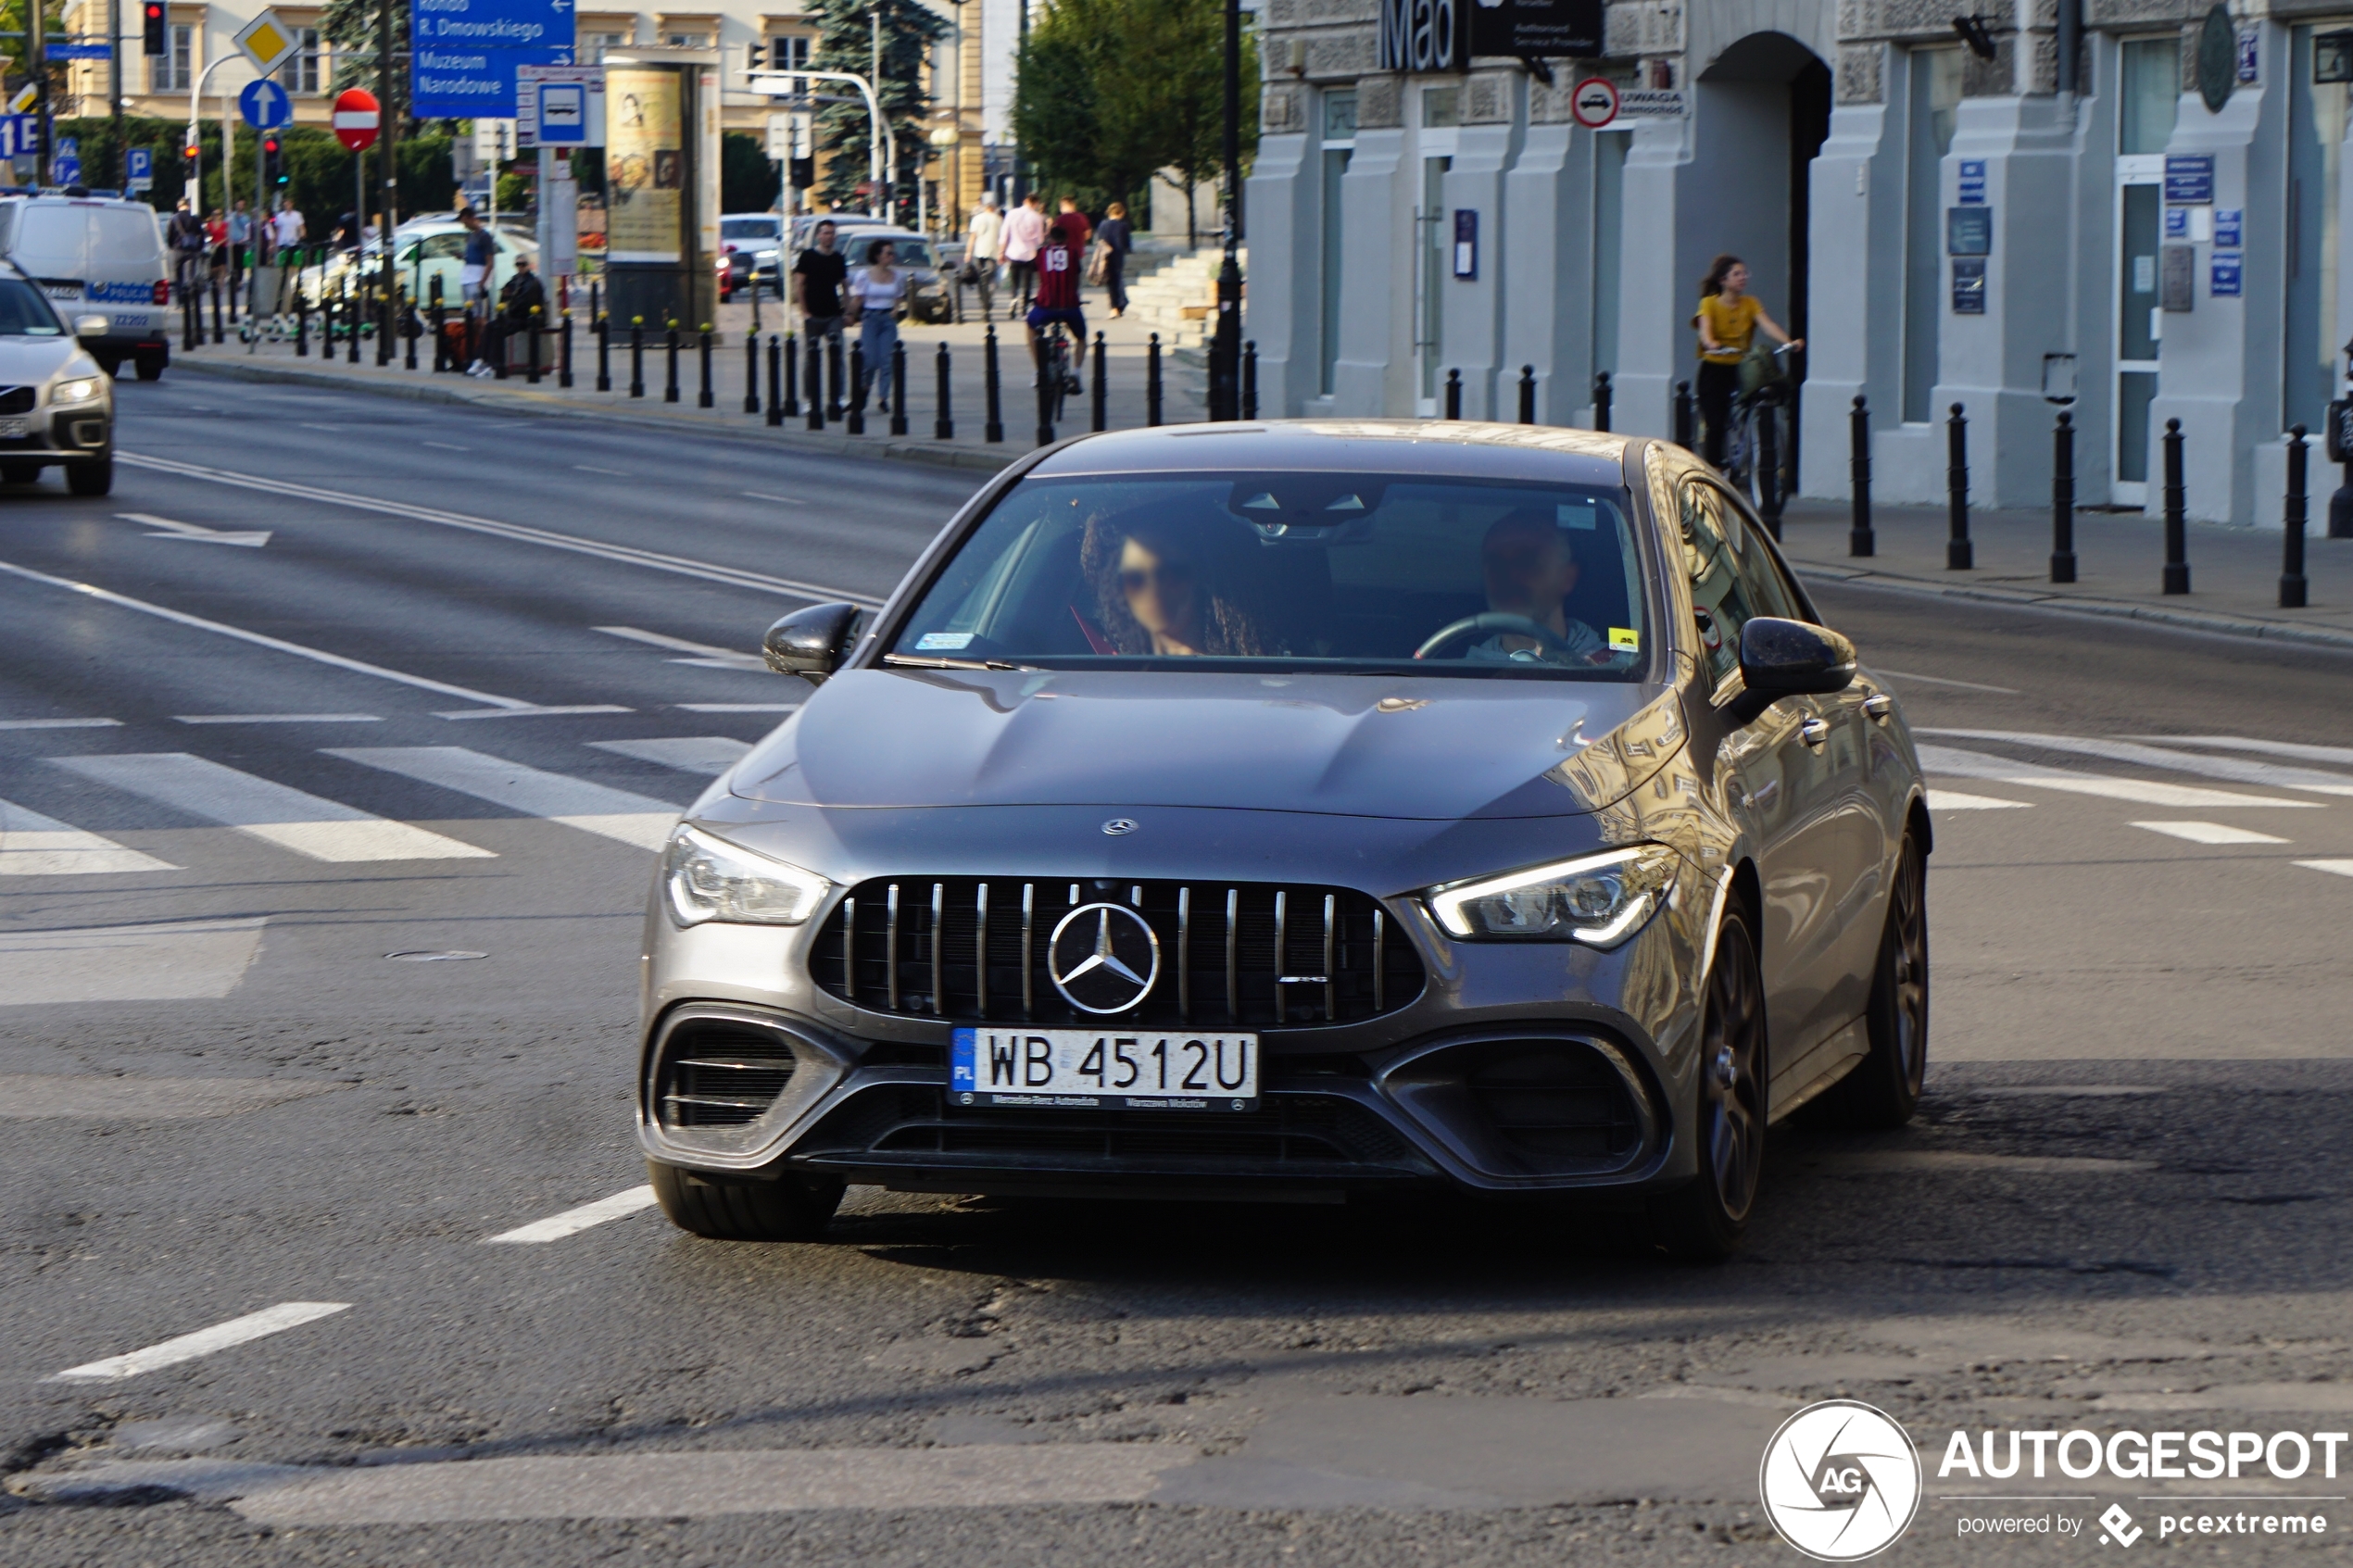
(1839, 1481)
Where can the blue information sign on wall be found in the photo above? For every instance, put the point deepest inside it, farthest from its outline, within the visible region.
(2189, 178)
(2222, 279)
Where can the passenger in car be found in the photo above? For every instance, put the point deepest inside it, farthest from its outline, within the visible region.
(1532, 569)
(1160, 590)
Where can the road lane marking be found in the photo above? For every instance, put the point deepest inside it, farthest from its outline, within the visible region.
(1941, 680)
(1956, 800)
(617, 473)
(2211, 832)
(2310, 780)
(275, 813)
(623, 554)
(259, 639)
(206, 1341)
(558, 798)
(709, 755)
(788, 500)
(32, 844)
(738, 707)
(60, 724)
(2268, 748)
(2335, 868)
(278, 718)
(1944, 761)
(572, 1221)
(195, 532)
(708, 657)
(448, 447)
(532, 711)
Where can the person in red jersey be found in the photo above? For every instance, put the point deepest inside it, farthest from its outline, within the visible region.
(1057, 298)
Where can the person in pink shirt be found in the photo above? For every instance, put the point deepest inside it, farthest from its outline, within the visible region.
(1024, 233)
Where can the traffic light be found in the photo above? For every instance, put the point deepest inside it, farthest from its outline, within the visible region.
(158, 42)
(273, 166)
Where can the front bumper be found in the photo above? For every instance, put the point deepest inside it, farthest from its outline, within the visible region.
(63, 435)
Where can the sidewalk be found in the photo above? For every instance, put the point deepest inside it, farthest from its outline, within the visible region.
(2234, 573)
(1125, 344)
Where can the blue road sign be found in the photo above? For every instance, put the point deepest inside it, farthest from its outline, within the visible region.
(140, 163)
(494, 24)
(473, 83)
(20, 135)
(65, 170)
(265, 105)
(79, 51)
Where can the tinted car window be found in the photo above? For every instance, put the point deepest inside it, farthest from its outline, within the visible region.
(1732, 577)
(911, 253)
(25, 312)
(1375, 572)
(50, 240)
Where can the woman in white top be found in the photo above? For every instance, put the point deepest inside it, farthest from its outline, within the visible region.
(875, 291)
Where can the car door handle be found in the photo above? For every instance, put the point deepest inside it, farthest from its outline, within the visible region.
(1814, 732)
(1879, 704)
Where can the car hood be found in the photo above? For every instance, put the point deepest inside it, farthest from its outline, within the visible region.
(1431, 748)
(29, 361)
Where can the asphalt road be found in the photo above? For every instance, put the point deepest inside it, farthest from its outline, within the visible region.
(492, 657)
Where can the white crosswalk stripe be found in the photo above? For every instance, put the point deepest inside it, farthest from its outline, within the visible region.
(2211, 832)
(1957, 800)
(2311, 780)
(323, 830)
(2266, 747)
(711, 754)
(612, 813)
(32, 844)
(2335, 868)
(1944, 761)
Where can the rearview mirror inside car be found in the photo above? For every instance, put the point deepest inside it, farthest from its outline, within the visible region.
(810, 643)
(1783, 659)
(90, 326)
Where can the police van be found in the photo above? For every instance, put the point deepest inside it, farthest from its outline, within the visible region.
(97, 256)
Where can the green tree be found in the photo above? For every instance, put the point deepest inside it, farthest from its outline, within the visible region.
(747, 180)
(352, 25)
(845, 42)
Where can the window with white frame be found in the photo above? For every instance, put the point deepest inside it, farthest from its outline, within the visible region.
(169, 73)
(301, 75)
(598, 42)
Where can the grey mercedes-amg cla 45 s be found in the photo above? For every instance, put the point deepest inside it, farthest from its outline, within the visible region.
(1300, 810)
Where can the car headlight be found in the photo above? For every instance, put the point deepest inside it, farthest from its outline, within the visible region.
(709, 879)
(78, 391)
(1597, 899)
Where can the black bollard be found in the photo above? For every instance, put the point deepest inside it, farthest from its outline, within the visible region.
(1528, 395)
(897, 387)
(2177, 507)
(413, 326)
(993, 430)
(2063, 499)
(1686, 417)
(302, 328)
(670, 349)
(1958, 555)
(1860, 539)
(2291, 585)
(1768, 472)
(1098, 392)
(1250, 380)
(387, 312)
(563, 372)
(751, 373)
(353, 309)
(1604, 394)
(440, 328)
(188, 318)
(835, 407)
(1454, 394)
(775, 380)
(530, 348)
(857, 422)
(1152, 381)
(602, 326)
(702, 348)
(943, 428)
(217, 336)
(637, 356)
(791, 355)
(816, 386)
(1046, 391)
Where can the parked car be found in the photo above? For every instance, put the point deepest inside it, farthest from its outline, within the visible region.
(97, 259)
(425, 250)
(746, 240)
(1299, 811)
(928, 287)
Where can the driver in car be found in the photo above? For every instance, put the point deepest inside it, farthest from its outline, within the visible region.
(1530, 570)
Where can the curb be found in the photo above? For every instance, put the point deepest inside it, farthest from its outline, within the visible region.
(2093, 609)
(512, 401)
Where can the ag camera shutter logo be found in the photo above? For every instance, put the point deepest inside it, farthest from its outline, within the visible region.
(1839, 1481)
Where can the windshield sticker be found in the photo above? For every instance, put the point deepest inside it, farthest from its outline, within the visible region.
(931, 642)
(1625, 639)
(1584, 517)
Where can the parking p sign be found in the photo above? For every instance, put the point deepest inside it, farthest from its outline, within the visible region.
(139, 167)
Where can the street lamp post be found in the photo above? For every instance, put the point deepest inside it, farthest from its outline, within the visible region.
(1226, 344)
(882, 148)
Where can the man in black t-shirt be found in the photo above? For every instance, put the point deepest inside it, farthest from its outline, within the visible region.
(818, 276)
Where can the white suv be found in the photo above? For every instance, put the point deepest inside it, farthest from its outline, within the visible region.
(56, 401)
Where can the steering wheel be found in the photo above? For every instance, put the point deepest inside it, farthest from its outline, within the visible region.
(1495, 621)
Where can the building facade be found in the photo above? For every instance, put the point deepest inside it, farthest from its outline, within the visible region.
(2154, 234)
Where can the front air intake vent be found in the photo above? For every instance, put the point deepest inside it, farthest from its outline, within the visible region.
(16, 400)
(715, 1072)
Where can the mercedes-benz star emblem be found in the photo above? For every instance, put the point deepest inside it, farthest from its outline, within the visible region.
(1119, 825)
(1104, 958)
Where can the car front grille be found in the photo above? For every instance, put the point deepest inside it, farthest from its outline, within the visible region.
(16, 400)
(1249, 954)
(719, 1073)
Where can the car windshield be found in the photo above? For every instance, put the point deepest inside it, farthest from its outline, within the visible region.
(747, 228)
(24, 311)
(1348, 572)
(909, 253)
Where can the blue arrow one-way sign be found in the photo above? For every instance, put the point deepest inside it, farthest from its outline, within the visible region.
(265, 105)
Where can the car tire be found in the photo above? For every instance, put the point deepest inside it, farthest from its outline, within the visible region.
(1884, 1089)
(1703, 1221)
(91, 479)
(788, 1209)
(151, 366)
(19, 474)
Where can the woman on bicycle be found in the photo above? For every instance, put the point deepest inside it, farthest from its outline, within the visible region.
(1728, 319)
(875, 291)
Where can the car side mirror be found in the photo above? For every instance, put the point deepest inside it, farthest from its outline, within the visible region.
(810, 643)
(90, 326)
(1783, 659)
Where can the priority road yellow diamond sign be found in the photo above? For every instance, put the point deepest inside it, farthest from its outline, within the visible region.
(266, 41)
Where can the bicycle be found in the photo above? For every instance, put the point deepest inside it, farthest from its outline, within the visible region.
(1057, 377)
(1762, 422)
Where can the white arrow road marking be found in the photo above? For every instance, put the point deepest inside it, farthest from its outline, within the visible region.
(572, 1221)
(708, 657)
(205, 1341)
(196, 532)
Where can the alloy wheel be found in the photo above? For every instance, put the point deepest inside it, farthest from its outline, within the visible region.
(1732, 1074)
(1908, 931)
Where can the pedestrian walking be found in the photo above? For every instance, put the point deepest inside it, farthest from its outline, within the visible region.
(1077, 224)
(216, 240)
(186, 235)
(240, 241)
(984, 243)
(876, 291)
(523, 294)
(480, 255)
(287, 227)
(1024, 233)
(1729, 319)
(818, 275)
(1113, 240)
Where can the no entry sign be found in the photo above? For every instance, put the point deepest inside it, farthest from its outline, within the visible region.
(356, 118)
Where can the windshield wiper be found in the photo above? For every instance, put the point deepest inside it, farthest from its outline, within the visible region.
(926, 662)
